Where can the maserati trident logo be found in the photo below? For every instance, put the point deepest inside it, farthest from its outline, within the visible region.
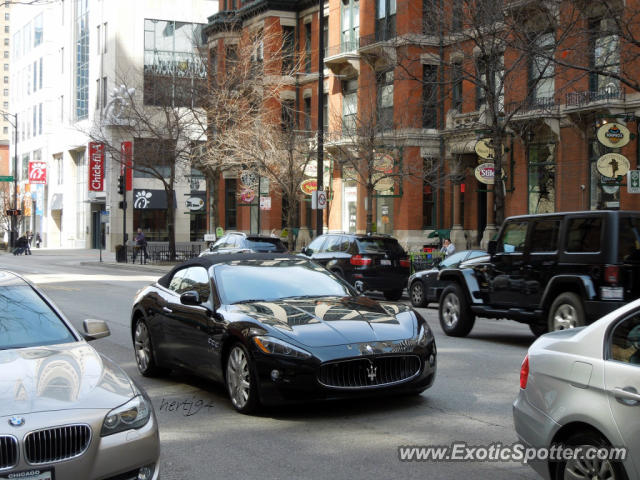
(371, 372)
(16, 421)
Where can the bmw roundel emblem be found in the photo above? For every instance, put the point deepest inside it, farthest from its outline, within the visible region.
(16, 421)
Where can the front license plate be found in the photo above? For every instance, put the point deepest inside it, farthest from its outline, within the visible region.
(34, 474)
(385, 262)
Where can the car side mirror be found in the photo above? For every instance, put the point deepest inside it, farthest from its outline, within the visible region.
(304, 251)
(95, 329)
(492, 247)
(190, 298)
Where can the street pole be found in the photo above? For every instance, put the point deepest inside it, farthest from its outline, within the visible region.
(320, 173)
(12, 234)
(124, 210)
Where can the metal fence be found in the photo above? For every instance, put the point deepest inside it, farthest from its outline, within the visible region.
(157, 253)
(424, 260)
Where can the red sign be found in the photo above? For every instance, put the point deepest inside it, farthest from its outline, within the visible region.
(126, 150)
(37, 173)
(96, 167)
(309, 186)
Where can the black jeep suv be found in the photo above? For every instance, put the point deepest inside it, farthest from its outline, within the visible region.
(368, 262)
(552, 271)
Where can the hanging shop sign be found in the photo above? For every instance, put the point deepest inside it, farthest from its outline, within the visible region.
(249, 178)
(383, 183)
(195, 203)
(247, 195)
(96, 167)
(485, 173)
(613, 165)
(613, 135)
(309, 186)
(37, 173)
(484, 149)
(383, 162)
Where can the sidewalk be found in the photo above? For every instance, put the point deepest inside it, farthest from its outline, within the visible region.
(91, 257)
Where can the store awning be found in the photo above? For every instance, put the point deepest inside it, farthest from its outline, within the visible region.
(462, 147)
(56, 201)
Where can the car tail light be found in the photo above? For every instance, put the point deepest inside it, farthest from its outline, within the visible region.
(524, 372)
(405, 262)
(360, 261)
(611, 274)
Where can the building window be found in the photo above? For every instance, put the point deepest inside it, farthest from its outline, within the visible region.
(288, 49)
(350, 25)
(40, 75)
(61, 107)
(59, 166)
(35, 120)
(98, 40)
(6, 92)
(6, 54)
(6, 29)
(288, 115)
(385, 100)
(175, 74)
(456, 88)
(25, 167)
(6, 16)
(82, 59)
(230, 220)
(6, 42)
(153, 157)
(35, 76)
(349, 106)
(325, 34)
(5, 130)
(385, 19)
(40, 119)
(37, 31)
(429, 96)
(325, 112)
(430, 17)
(542, 173)
(6, 79)
(105, 38)
(6, 67)
(62, 60)
(456, 16)
(5, 105)
(489, 78)
(429, 192)
(542, 72)
(307, 47)
(605, 56)
(307, 115)
(104, 92)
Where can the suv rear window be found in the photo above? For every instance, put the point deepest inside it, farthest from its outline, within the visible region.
(390, 246)
(629, 240)
(265, 244)
(583, 234)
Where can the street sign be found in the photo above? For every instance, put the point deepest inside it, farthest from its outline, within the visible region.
(265, 203)
(319, 200)
(633, 181)
(6, 178)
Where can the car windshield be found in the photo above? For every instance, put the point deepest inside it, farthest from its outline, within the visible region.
(27, 321)
(276, 279)
(390, 246)
(265, 244)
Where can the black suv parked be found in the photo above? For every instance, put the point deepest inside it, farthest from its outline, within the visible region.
(238, 242)
(368, 262)
(552, 271)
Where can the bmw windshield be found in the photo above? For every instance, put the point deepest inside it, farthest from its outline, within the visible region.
(276, 279)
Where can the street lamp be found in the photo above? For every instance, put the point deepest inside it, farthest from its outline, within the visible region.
(12, 233)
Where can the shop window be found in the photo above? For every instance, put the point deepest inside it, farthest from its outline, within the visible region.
(542, 174)
(230, 203)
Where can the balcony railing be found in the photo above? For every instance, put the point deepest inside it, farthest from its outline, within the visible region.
(381, 35)
(545, 104)
(343, 47)
(581, 99)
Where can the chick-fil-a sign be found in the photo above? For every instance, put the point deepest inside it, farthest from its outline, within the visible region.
(96, 167)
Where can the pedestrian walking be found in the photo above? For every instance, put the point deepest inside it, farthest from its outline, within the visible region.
(141, 246)
(21, 245)
(38, 240)
(27, 250)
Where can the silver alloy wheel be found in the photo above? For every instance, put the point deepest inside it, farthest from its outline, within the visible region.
(451, 310)
(589, 469)
(142, 345)
(565, 317)
(417, 293)
(238, 378)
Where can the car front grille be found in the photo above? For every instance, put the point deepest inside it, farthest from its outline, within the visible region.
(8, 451)
(56, 444)
(369, 373)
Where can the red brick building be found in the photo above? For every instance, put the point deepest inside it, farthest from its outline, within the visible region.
(418, 65)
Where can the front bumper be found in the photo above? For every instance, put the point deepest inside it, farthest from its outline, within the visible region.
(119, 456)
(298, 380)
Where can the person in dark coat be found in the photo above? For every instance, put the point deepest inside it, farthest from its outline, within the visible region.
(21, 245)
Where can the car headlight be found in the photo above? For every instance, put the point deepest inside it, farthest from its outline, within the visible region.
(133, 414)
(274, 346)
(424, 335)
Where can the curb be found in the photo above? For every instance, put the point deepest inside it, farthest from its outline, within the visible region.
(130, 267)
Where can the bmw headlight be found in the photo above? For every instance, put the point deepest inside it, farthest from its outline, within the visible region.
(274, 346)
(133, 414)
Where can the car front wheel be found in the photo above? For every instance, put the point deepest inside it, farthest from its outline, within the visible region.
(566, 312)
(456, 318)
(417, 294)
(145, 356)
(241, 380)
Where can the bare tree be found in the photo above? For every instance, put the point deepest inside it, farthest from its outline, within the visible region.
(253, 117)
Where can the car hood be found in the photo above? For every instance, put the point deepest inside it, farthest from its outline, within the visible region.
(328, 321)
(60, 377)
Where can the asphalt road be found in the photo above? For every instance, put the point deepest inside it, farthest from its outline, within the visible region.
(203, 437)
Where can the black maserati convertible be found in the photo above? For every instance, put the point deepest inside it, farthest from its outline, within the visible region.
(277, 328)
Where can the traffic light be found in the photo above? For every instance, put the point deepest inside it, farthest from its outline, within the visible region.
(13, 213)
(121, 185)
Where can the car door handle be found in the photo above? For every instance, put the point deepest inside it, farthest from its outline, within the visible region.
(626, 395)
(167, 310)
